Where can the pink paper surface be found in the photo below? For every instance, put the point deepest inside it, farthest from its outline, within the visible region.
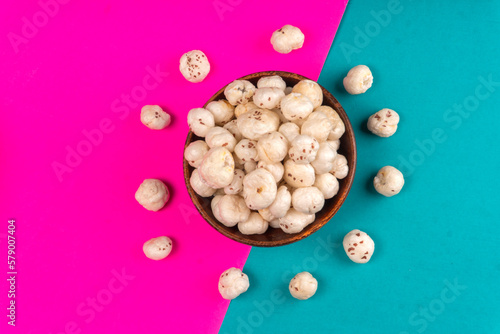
(84, 71)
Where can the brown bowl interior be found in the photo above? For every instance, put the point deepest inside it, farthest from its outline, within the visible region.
(276, 237)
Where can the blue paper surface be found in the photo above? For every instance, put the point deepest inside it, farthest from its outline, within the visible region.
(436, 267)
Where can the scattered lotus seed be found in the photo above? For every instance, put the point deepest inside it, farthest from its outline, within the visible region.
(253, 225)
(233, 283)
(222, 110)
(358, 80)
(152, 194)
(303, 286)
(327, 184)
(310, 89)
(286, 39)
(239, 92)
(389, 181)
(154, 117)
(194, 152)
(157, 248)
(200, 120)
(358, 246)
(194, 66)
(383, 123)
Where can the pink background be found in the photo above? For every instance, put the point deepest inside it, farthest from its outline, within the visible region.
(76, 231)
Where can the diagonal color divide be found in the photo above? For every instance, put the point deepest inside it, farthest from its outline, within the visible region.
(79, 73)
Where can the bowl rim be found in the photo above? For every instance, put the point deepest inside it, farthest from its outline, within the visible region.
(316, 224)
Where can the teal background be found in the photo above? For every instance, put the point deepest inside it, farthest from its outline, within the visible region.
(444, 227)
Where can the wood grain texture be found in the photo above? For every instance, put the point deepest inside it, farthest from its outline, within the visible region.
(276, 237)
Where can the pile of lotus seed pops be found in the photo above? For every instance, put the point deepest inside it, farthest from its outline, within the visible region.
(269, 158)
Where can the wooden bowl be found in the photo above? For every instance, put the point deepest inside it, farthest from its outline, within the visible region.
(276, 237)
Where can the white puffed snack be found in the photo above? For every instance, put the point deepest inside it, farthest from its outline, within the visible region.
(389, 181)
(232, 127)
(308, 200)
(276, 169)
(340, 167)
(338, 128)
(194, 152)
(239, 92)
(266, 214)
(298, 175)
(281, 204)
(217, 167)
(200, 120)
(222, 110)
(303, 149)
(236, 186)
(246, 150)
(383, 123)
(268, 97)
(250, 166)
(334, 144)
(295, 221)
(286, 39)
(358, 80)
(154, 117)
(272, 81)
(288, 90)
(231, 210)
(243, 108)
(199, 186)
(310, 89)
(259, 189)
(303, 286)
(324, 158)
(157, 248)
(358, 246)
(327, 184)
(233, 283)
(256, 123)
(317, 125)
(272, 147)
(296, 106)
(253, 225)
(220, 137)
(194, 66)
(289, 130)
(152, 194)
